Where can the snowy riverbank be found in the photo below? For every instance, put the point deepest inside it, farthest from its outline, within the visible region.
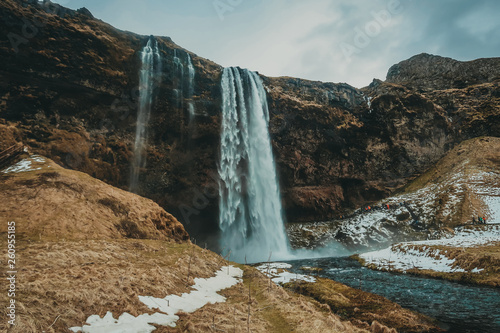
(462, 253)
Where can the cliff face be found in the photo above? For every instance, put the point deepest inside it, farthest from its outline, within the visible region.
(337, 154)
(69, 90)
(430, 72)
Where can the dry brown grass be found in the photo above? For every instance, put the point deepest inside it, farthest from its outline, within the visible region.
(80, 251)
(478, 152)
(55, 203)
(69, 281)
(272, 309)
(73, 280)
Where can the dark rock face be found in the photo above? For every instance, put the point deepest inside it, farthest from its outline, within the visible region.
(430, 72)
(69, 90)
(334, 156)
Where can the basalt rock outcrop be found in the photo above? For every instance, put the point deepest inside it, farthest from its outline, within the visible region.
(69, 90)
(429, 72)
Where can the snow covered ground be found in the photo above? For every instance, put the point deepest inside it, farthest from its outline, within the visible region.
(205, 291)
(126, 323)
(422, 255)
(493, 203)
(25, 165)
(278, 273)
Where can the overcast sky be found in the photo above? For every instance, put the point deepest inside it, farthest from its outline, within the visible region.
(349, 41)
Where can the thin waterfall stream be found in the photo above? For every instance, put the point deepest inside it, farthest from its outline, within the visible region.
(185, 73)
(149, 73)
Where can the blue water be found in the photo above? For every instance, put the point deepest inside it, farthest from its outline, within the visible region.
(459, 308)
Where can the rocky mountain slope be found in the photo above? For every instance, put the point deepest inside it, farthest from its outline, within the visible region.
(428, 72)
(69, 89)
(463, 186)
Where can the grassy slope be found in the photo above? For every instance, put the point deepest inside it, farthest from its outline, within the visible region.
(54, 203)
(486, 258)
(73, 261)
(470, 157)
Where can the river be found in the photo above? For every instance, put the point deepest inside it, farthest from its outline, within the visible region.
(459, 308)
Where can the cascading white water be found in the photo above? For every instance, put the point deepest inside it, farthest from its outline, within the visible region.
(250, 213)
(185, 78)
(191, 73)
(179, 72)
(148, 76)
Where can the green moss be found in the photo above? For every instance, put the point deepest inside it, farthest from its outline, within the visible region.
(353, 304)
(277, 321)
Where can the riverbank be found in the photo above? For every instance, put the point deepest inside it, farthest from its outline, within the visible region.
(362, 309)
(471, 256)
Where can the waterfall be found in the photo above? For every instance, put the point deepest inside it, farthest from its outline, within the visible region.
(191, 73)
(179, 72)
(185, 80)
(250, 213)
(149, 75)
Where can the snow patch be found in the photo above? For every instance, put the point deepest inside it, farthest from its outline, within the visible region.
(38, 158)
(25, 165)
(278, 273)
(493, 204)
(21, 166)
(405, 256)
(125, 323)
(205, 291)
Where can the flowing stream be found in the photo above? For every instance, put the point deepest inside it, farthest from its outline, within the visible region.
(458, 307)
(149, 74)
(250, 213)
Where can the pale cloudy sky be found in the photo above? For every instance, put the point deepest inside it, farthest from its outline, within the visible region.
(349, 41)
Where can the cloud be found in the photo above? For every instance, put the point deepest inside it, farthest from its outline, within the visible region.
(305, 39)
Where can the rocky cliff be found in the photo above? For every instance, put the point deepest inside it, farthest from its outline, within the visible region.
(69, 90)
(430, 72)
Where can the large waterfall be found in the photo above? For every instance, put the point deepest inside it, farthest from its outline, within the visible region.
(149, 75)
(250, 215)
